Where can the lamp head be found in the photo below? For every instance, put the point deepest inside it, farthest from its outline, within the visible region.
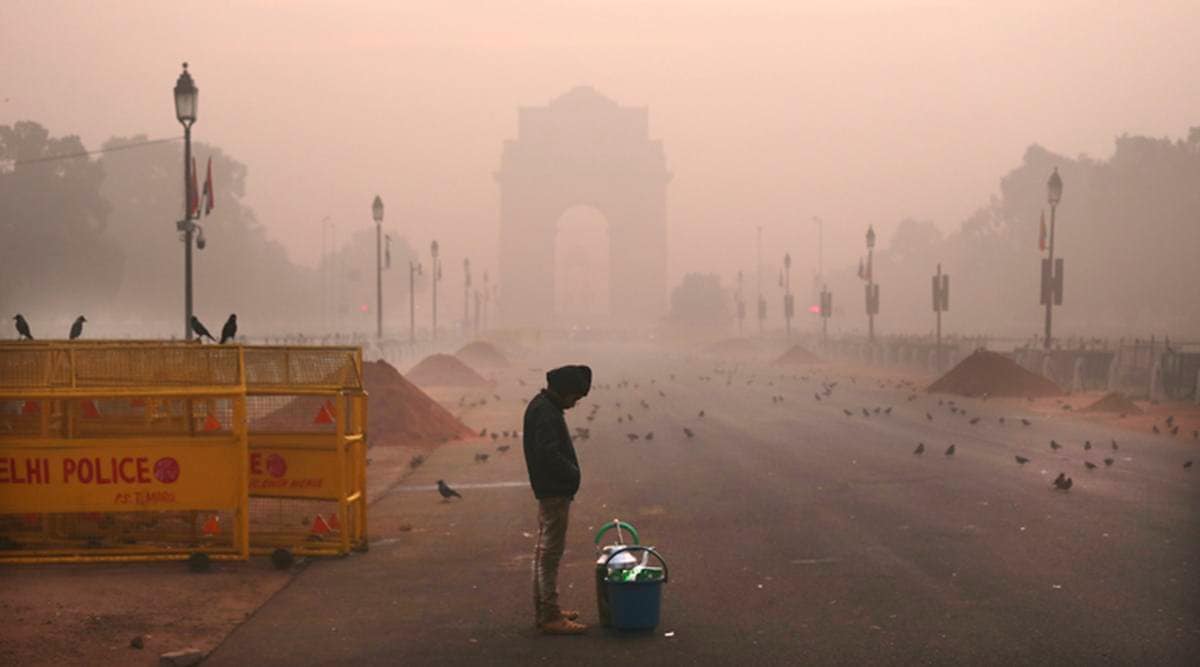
(1054, 188)
(871, 236)
(377, 209)
(186, 98)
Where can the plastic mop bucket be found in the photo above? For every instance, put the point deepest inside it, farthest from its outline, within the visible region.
(636, 605)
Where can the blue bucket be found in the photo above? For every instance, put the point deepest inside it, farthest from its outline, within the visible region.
(636, 605)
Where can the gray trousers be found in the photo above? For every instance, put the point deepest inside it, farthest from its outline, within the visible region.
(552, 540)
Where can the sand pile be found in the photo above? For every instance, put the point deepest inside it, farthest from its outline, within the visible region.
(401, 414)
(993, 374)
(1114, 402)
(732, 347)
(482, 354)
(797, 356)
(444, 370)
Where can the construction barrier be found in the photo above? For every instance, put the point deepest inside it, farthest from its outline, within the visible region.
(307, 416)
(122, 451)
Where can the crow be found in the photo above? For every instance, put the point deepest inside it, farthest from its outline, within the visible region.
(1021, 459)
(974, 421)
(649, 436)
(22, 328)
(1089, 465)
(1108, 462)
(199, 330)
(1154, 428)
(1026, 422)
(229, 331)
(1087, 445)
(1054, 445)
(503, 449)
(950, 450)
(446, 491)
(77, 327)
(848, 413)
(688, 432)
(920, 448)
(1114, 445)
(929, 416)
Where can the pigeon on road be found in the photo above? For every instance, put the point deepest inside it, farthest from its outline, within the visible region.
(199, 329)
(1021, 459)
(920, 448)
(1026, 422)
(22, 327)
(503, 449)
(1089, 465)
(1054, 445)
(688, 432)
(446, 491)
(1108, 462)
(950, 450)
(77, 327)
(229, 331)
(1062, 482)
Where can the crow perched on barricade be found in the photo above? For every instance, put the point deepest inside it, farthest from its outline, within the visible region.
(22, 327)
(229, 331)
(77, 327)
(199, 330)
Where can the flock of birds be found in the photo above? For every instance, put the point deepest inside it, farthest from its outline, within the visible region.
(228, 332)
(635, 408)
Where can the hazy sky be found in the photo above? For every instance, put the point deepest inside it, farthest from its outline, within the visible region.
(770, 112)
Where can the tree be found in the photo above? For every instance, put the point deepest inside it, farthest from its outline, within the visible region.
(700, 303)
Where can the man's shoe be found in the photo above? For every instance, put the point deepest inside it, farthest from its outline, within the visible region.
(563, 627)
(569, 614)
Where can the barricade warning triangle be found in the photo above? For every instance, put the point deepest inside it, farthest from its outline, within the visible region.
(31, 408)
(90, 410)
(333, 522)
(319, 526)
(212, 525)
(211, 423)
(325, 414)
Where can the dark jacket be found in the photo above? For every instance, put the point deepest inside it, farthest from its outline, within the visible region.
(549, 454)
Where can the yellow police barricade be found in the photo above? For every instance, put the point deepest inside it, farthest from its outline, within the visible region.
(117, 451)
(307, 415)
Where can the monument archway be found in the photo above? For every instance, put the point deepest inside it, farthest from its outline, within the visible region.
(583, 149)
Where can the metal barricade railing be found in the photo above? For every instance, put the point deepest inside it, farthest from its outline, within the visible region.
(308, 438)
(119, 451)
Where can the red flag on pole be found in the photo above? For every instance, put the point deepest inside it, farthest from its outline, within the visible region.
(193, 194)
(861, 275)
(208, 190)
(1042, 234)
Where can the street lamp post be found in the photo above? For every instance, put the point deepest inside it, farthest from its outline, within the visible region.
(941, 303)
(186, 101)
(466, 295)
(1052, 275)
(762, 302)
(872, 288)
(377, 214)
(487, 297)
(818, 283)
(435, 272)
(787, 293)
(414, 270)
(826, 313)
(741, 305)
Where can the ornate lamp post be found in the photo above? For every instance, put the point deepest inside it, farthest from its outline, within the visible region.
(466, 295)
(741, 305)
(1052, 275)
(787, 293)
(414, 270)
(435, 272)
(377, 214)
(186, 100)
(872, 288)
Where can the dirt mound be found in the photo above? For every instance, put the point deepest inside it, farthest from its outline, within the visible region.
(797, 356)
(732, 347)
(1114, 402)
(993, 374)
(482, 354)
(444, 370)
(400, 413)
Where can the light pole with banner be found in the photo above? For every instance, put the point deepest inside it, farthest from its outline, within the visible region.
(1052, 269)
(186, 101)
(788, 304)
(872, 288)
(414, 270)
(435, 273)
(377, 214)
(941, 303)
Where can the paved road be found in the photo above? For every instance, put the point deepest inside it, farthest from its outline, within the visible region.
(794, 534)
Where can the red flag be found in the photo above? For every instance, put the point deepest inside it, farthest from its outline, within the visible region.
(193, 194)
(208, 190)
(1042, 235)
(860, 268)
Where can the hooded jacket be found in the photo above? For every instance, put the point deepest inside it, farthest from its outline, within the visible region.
(549, 452)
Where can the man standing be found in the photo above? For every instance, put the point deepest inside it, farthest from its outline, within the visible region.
(554, 476)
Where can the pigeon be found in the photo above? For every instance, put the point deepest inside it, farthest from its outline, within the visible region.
(483, 433)
(688, 432)
(22, 328)
(199, 330)
(920, 448)
(481, 458)
(848, 413)
(1087, 445)
(503, 449)
(229, 331)
(632, 436)
(77, 327)
(1054, 445)
(1089, 465)
(1175, 430)
(866, 413)
(701, 414)
(818, 397)
(974, 421)
(929, 416)
(446, 491)
(495, 436)
(950, 450)
(1170, 420)
(1108, 462)
(1187, 464)
(1021, 459)
(887, 410)
(1026, 422)
(1154, 428)
(1001, 420)
(649, 436)
(1114, 445)
(1062, 482)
